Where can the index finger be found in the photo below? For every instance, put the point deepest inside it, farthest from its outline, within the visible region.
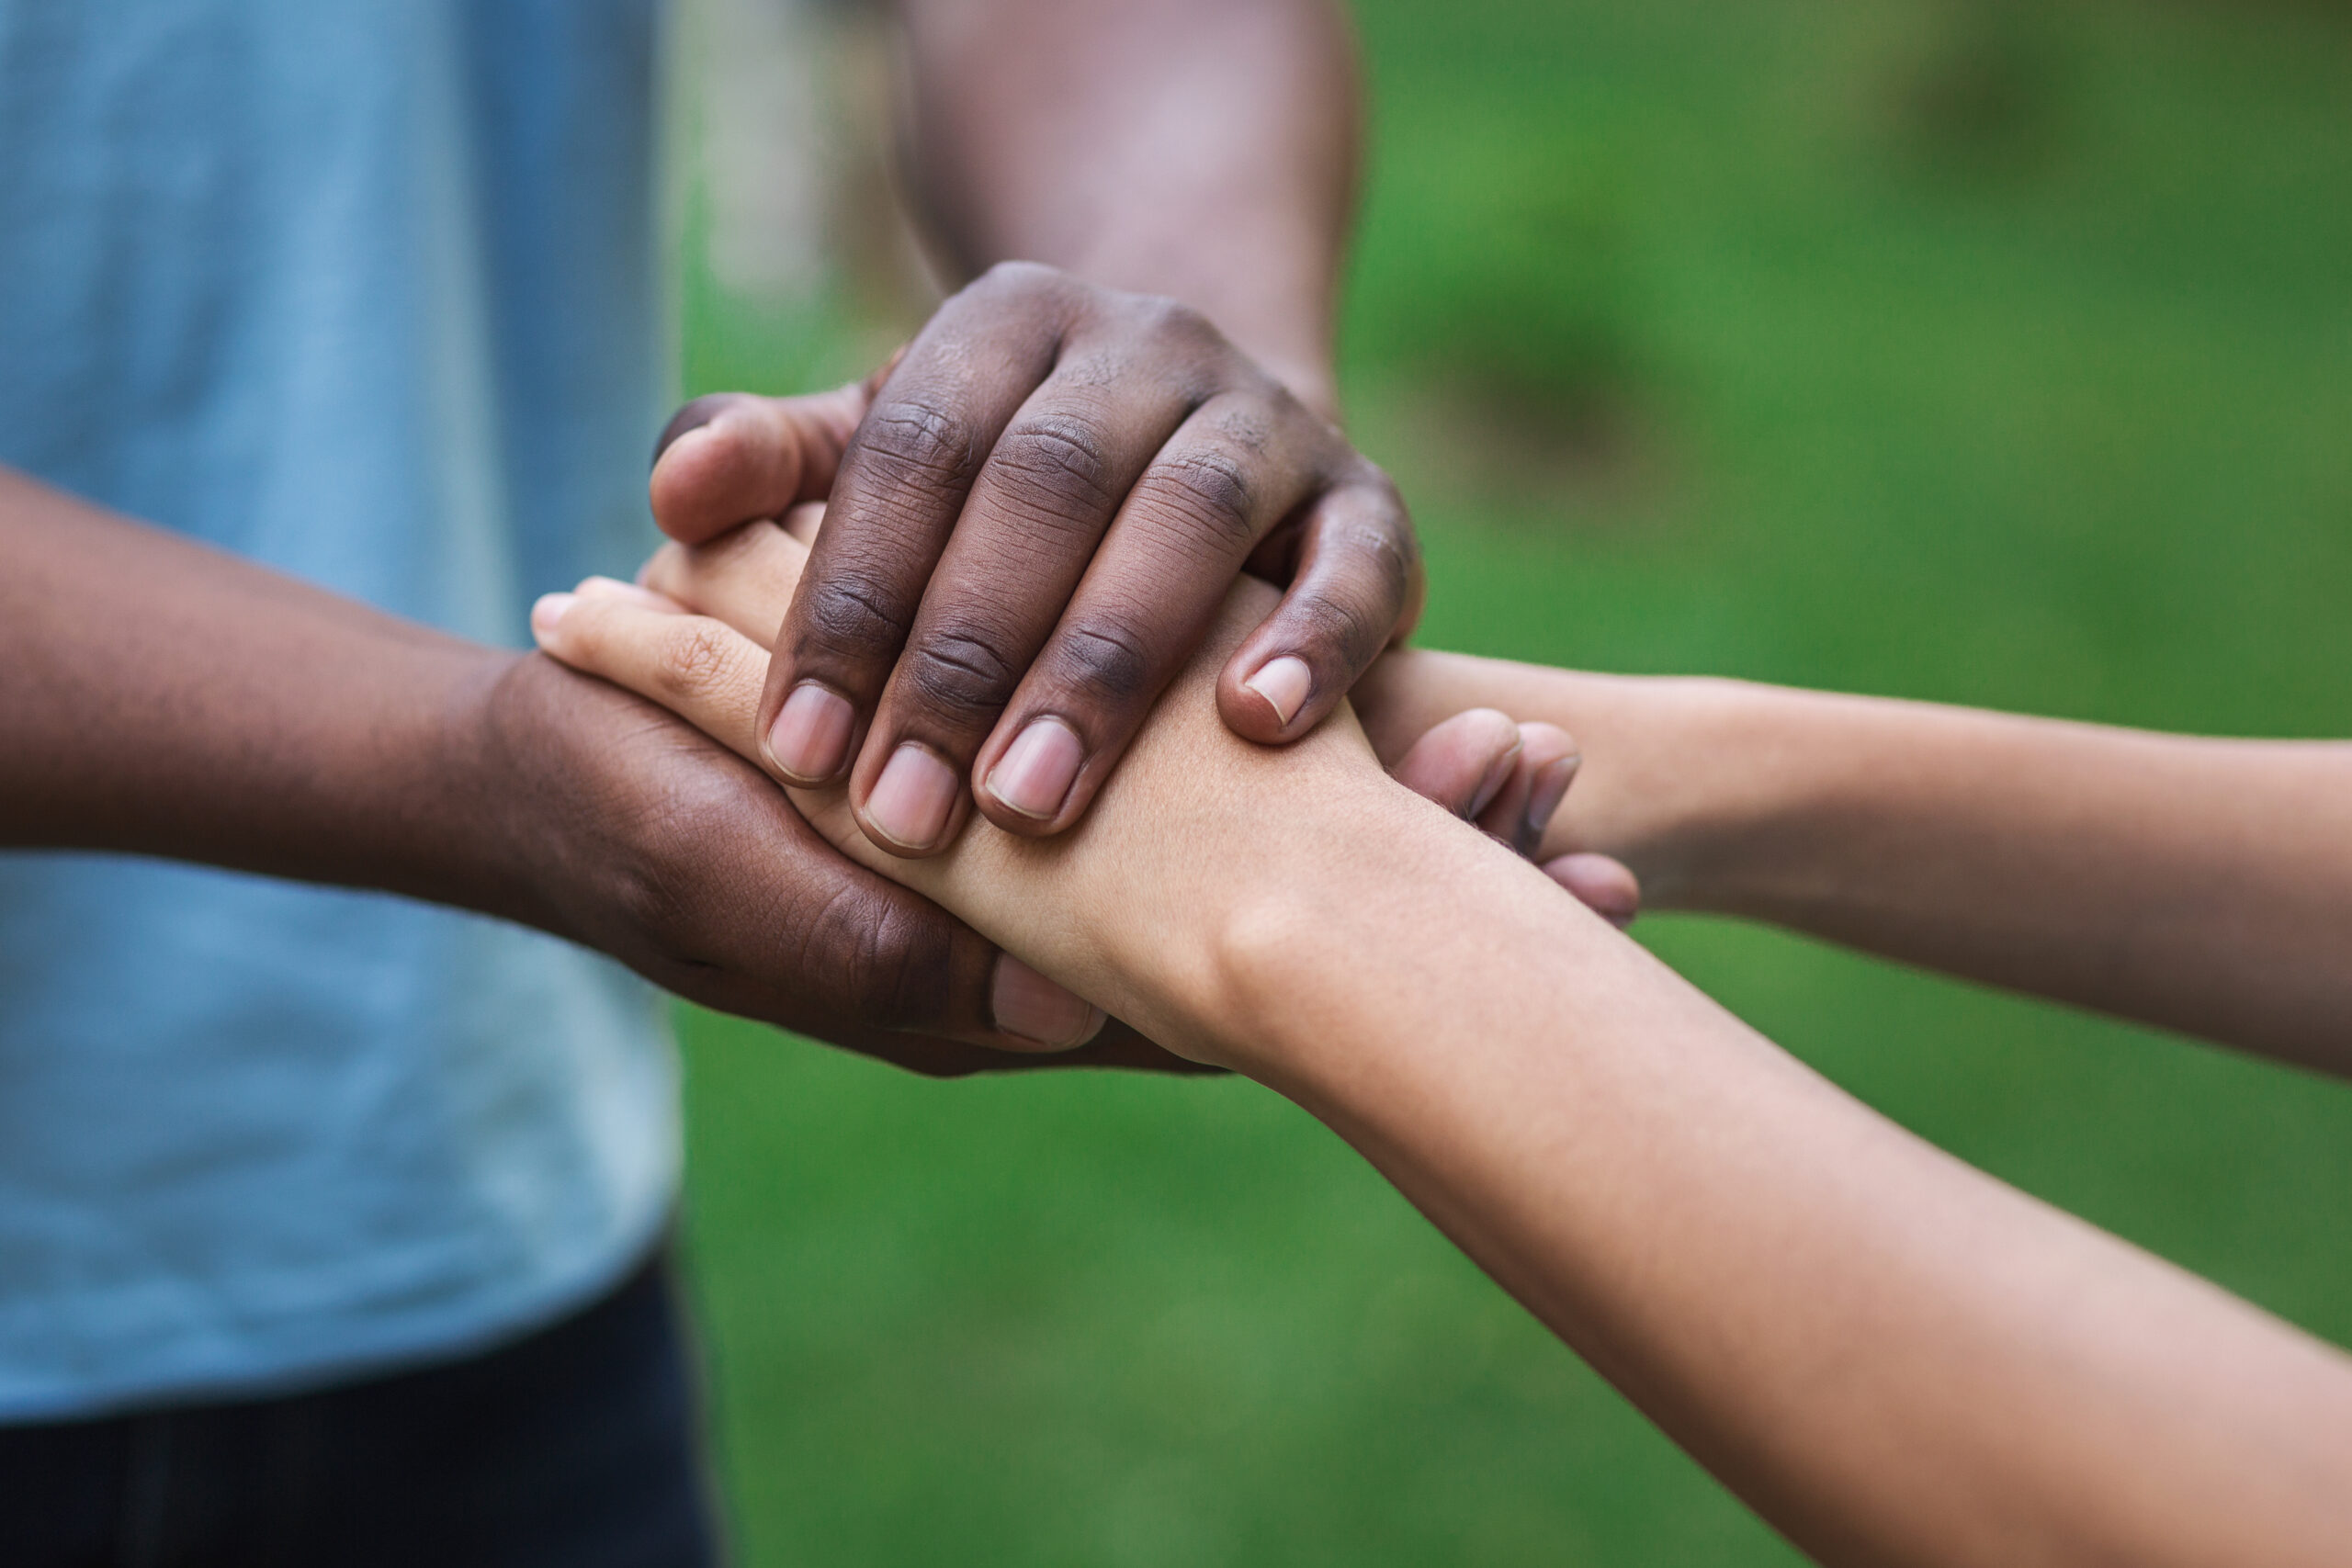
(1355, 589)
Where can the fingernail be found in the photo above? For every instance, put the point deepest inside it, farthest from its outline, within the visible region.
(1028, 1004)
(549, 610)
(1284, 682)
(913, 798)
(1549, 788)
(1034, 774)
(1497, 775)
(811, 733)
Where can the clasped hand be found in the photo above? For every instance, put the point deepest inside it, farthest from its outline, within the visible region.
(1036, 515)
(690, 639)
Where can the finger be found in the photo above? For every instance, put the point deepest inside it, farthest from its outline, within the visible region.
(1228, 475)
(842, 953)
(1523, 807)
(744, 577)
(1117, 1047)
(1356, 588)
(1044, 500)
(709, 674)
(634, 592)
(702, 670)
(1606, 886)
(1464, 763)
(803, 521)
(901, 485)
(730, 457)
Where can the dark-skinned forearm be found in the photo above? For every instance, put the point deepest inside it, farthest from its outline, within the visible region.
(1200, 149)
(161, 697)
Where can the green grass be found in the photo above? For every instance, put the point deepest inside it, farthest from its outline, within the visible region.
(1989, 354)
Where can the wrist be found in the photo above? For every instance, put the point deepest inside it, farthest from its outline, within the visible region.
(1734, 773)
(493, 738)
(1282, 949)
(1680, 774)
(1333, 970)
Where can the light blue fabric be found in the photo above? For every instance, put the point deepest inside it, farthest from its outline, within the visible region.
(365, 290)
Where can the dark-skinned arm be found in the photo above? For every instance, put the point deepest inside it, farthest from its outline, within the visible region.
(1205, 149)
(161, 697)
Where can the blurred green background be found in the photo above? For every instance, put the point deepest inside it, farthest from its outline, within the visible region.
(1989, 353)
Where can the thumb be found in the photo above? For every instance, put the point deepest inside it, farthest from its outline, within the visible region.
(730, 457)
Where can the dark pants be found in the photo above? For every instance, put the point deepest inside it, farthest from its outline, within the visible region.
(576, 1447)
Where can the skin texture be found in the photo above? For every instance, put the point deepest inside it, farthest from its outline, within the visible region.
(1038, 507)
(159, 698)
(1894, 1357)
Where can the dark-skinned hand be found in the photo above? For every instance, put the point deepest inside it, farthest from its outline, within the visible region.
(1035, 513)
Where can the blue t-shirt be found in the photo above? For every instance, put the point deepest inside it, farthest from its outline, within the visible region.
(365, 290)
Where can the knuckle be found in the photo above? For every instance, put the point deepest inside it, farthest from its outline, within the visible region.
(1175, 324)
(661, 886)
(1387, 552)
(694, 659)
(958, 672)
(1247, 423)
(1355, 633)
(919, 443)
(1054, 467)
(1019, 278)
(852, 613)
(887, 967)
(1105, 659)
(1210, 490)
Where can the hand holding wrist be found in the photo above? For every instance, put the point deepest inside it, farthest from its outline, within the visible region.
(1214, 836)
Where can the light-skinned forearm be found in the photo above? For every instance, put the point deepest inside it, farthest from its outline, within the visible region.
(2201, 885)
(160, 697)
(1200, 149)
(1894, 1357)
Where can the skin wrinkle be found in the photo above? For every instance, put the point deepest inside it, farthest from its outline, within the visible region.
(1100, 655)
(1054, 501)
(1063, 455)
(957, 674)
(917, 443)
(1209, 489)
(851, 611)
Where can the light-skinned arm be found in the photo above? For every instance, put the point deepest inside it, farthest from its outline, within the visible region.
(2201, 885)
(1894, 1357)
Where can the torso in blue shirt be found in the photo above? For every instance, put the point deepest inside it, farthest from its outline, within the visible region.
(364, 290)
